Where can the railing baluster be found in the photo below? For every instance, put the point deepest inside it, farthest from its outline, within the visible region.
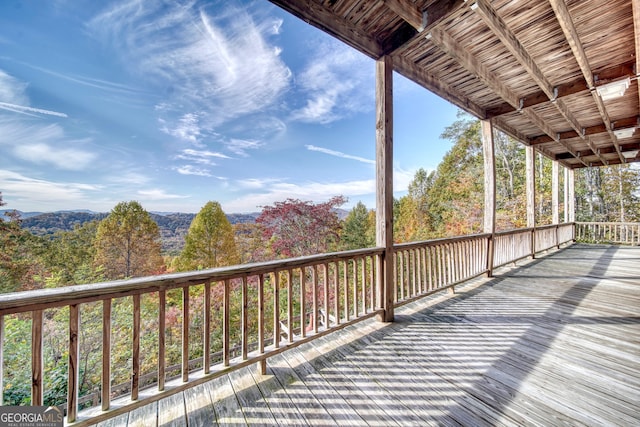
(363, 290)
(245, 319)
(325, 288)
(206, 330)
(345, 276)
(303, 303)
(162, 319)
(276, 309)
(290, 304)
(336, 292)
(74, 368)
(106, 354)
(262, 364)
(225, 323)
(355, 287)
(135, 368)
(37, 392)
(314, 282)
(185, 333)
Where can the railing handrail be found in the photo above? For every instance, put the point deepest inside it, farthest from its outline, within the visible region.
(17, 302)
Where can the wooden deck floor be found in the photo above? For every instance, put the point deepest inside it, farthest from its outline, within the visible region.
(554, 342)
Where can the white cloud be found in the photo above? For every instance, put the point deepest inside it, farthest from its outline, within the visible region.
(339, 154)
(12, 90)
(240, 146)
(13, 97)
(277, 190)
(200, 156)
(44, 144)
(338, 82)
(24, 190)
(187, 128)
(220, 64)
(158, 194)
(191, 170)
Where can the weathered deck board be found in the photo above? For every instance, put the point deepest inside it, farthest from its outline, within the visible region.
(553, 342)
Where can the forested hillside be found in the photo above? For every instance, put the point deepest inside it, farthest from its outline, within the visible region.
(173, 226)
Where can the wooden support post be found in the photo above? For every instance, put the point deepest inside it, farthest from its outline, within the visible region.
(555, 196)
(384, 183)
(530, 159)
(566, 195)
(555, 204)
(571, 199)
(488, 151)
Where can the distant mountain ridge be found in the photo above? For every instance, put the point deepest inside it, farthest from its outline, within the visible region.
(173, 225)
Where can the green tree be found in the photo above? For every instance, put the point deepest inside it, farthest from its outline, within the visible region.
(71, 254)
(128, 243)
(357, 229)
(209, 242)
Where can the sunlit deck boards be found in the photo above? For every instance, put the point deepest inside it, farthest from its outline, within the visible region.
(556, 342)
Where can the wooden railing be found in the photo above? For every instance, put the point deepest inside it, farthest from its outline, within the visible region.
(253, 311)
(623, 233)
(422, 268)
(254, 301)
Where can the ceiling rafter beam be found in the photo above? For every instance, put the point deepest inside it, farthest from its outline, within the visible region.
(571, 34)
(511, 42)
(322, 17)
(423, 20)
(413, 72)
(500, 124)
(588, 131)
(575, 87)
(452, 48)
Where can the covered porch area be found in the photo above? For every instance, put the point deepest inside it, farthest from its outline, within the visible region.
(550, 341)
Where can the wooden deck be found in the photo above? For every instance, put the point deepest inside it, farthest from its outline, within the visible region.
(552, 342)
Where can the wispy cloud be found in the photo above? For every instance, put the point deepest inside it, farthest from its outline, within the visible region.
(44, 144)
(240, 146)
(273, 190)
(13, 97)
(18, 187)
(219, 65)
(337, 83)
(158, 194)
(192, 170)
(200, 156)
(25, 109)
(339, 154)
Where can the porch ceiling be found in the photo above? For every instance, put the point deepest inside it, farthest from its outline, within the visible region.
(532, 67)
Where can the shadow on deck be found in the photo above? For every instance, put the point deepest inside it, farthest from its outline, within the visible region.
(552, 342)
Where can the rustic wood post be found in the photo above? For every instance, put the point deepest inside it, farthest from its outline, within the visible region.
(571, 199)
(530, 159)
(488, 151)
(384, 183)
(566, 195)
(555, 205)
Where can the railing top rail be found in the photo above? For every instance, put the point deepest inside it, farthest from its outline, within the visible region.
(608, 223)
(442, 241)
(17, 302)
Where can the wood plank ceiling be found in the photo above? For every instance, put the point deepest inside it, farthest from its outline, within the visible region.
(538, 69)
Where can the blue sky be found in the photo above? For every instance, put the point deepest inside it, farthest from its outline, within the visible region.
(177, 103)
